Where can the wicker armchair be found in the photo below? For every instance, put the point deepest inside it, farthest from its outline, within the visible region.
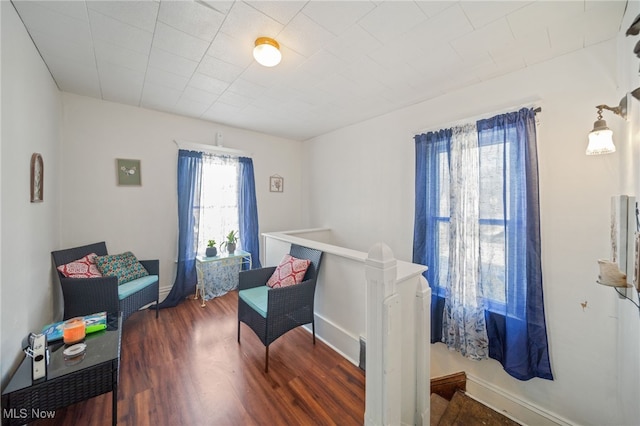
(84, 296)
(279, 309)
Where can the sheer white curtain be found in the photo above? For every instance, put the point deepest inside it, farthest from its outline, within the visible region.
(464, 324)
(219, 200)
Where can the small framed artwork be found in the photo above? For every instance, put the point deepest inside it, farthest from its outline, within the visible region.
(37, 178)
(128, 172)
(276, 183)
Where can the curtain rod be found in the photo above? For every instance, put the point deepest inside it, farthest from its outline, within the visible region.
(211, 149)
(536, 110)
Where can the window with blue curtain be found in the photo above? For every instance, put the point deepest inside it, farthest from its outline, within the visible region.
(228, 203)
(507, 276)
(216, 194)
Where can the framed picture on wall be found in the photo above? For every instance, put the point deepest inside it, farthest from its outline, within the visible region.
(128, 172)
(276, 183)
(37, 178)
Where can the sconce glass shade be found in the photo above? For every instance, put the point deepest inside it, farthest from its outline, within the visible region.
(267, 52)
(600, 139)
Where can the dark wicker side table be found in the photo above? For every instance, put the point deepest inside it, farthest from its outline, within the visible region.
(66, 383)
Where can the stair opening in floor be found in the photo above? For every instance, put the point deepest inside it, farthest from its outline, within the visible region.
(450, 405)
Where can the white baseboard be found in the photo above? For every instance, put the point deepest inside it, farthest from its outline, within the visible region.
(518, 409)
(164, 292)
(337, 338)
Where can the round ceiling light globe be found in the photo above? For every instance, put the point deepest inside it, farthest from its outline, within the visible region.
(267, 52)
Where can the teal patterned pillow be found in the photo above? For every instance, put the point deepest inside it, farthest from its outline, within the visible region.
(125, 266)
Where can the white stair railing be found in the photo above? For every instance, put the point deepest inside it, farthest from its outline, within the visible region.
(397, 351)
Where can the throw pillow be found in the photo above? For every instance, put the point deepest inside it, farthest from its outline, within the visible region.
(125, 266)
(290, 271)
(81, 268)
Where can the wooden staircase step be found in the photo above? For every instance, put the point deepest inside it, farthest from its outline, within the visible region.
(450, 405)
(446, 386)
(438, 407)
(463, 410)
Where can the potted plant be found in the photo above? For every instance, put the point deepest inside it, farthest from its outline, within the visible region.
(212, 251)
(231, 240)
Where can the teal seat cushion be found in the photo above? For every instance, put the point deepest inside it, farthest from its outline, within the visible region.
(127, 289)
(257, 298)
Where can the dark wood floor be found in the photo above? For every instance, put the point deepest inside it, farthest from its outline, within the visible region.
(186, 368)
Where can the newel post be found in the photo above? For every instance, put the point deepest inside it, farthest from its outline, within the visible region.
(382, 393)
(423, 353)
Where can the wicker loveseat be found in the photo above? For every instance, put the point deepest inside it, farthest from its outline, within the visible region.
(83, 296)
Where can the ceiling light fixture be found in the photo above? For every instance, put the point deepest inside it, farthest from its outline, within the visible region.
(601, 137)
(267, 52)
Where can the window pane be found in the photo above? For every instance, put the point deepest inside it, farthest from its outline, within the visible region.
(492, 222)
(443, 258)
(492, 262)
(491, 178)
(443, 178)
(442, 272)
(219, 212)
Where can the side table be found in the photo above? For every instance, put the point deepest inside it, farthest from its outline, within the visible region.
(67, 382)
(218, 275)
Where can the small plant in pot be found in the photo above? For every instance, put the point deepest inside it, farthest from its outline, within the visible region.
(212, 251)
(231, 240)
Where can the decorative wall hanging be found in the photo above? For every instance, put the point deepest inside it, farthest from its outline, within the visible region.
(37, 178)
(128, 172)
(276, 183)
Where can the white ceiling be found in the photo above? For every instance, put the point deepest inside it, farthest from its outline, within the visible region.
(343, 61)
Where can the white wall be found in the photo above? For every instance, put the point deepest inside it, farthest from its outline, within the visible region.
(360, 183)
(144, 219)
(31, 113)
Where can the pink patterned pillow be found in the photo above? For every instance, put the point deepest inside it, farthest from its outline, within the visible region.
(81, 268)
(290, 272)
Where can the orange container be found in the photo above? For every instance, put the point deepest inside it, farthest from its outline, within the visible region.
(74, 330)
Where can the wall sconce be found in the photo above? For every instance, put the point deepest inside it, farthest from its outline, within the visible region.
(601, 137)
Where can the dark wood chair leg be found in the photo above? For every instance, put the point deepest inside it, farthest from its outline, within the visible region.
(238, 331)
(157, 309)
(266, 360)
(313, 329)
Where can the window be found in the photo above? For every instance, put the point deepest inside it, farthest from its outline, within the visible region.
(491, 225)
(477, 229)
(222, 212)
(218, 209)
